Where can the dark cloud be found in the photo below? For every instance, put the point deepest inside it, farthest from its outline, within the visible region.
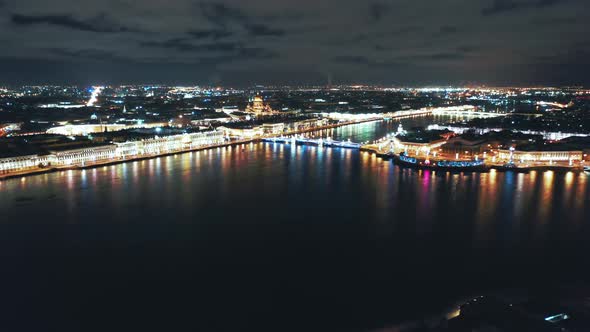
(445, 56)
(214, 34)
(256, 29)
(467, 49)
(227, 18)
(499, 6)
(375, 41)
(351, 59)
(100, 23)
(176, 44)
(220, 14)
(406, 30)
(241, 54)
(450, 56)
(225, 51)
(448, 30)
(352, 40)
(184, 45)
(256, 53)
(377, 10)
(377, 36)
(551, 22)
(502, 6)
(91, 54)
(364, 61)
(283, 16)
(575, 54)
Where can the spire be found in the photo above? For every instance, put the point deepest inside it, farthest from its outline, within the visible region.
(124, 109)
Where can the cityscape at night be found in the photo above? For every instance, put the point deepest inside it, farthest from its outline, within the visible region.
(380, 166)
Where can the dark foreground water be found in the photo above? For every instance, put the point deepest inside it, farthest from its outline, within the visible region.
(271, 237)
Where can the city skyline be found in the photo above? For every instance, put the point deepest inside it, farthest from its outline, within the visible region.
(495, 42)
(295, 165)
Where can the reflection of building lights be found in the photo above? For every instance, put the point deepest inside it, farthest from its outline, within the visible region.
(569, 178)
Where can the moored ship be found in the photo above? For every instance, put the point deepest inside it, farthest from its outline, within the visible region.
(472, 165)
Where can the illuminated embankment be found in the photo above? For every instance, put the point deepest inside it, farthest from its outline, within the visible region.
(110, 153)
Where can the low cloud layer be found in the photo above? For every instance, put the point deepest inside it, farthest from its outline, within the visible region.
(265, 42)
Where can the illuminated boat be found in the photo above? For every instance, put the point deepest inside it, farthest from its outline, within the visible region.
(459, 165)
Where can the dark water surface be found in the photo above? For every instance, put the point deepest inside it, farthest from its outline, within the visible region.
(271, 237)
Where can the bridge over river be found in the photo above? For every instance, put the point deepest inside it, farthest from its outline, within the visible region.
(310, 141)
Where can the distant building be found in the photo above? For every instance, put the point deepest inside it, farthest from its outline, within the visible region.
(242, 131)
(306, 124)
(85, 129)
(540, 156)
(88, 153)
(258, 107)
(417, 143)
(273, 128)
(227, 109)
(462, 145)
(9, 127)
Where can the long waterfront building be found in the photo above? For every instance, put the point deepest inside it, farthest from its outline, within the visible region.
(540, 156)
(112, 152)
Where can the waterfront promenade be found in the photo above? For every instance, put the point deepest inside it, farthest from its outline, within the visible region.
(34, 168)
(454, 162)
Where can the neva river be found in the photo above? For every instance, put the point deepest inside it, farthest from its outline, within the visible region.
(278, 238)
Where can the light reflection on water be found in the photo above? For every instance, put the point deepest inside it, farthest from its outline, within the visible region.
(313, 217)
(494, 194)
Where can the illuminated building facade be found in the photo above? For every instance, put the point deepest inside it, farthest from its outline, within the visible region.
(273, 128)
(306, 124)
(112, 152)
(414, 148)
(540, 156)
(242, 132)
(85, 129)
(81, 157)
(19, 163)
(258, 107)
(461, 145)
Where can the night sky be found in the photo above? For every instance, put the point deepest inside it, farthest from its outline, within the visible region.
(237, 42)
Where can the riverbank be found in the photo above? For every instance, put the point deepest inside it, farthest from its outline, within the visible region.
(115, 161)
(479, 167)
(119, 160)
